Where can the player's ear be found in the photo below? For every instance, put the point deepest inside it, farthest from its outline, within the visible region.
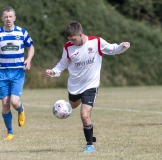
(15, 18)
(80, 34)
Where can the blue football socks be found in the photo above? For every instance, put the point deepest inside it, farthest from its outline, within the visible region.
(20, 109)
(8, 121)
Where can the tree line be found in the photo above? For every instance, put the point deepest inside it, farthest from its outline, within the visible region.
(114, 21)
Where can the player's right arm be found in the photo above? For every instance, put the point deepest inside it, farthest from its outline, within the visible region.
(50, 73)
(60, 66)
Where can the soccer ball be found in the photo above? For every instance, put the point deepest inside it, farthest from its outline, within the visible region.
(62, 109)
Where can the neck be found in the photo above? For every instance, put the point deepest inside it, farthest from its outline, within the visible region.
(84, 39)
(8, 28)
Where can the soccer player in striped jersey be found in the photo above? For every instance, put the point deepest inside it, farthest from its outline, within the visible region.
(82, 56)
(13, 39)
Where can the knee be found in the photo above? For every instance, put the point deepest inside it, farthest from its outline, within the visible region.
(84, 117)
(6, 103)
(5, 107)
(75, 104)
(15, 103)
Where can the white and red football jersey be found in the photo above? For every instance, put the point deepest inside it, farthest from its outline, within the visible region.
(84, 63)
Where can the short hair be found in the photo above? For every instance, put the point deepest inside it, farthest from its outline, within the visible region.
(8, 9)
(73, 29)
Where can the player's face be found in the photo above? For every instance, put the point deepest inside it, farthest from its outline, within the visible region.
(76, 40)
(8, 19)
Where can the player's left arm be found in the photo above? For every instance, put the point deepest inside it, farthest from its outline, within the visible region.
(27, 62)
(126, 45)
(112, 49)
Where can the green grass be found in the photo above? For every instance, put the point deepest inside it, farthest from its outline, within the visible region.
(127, 124)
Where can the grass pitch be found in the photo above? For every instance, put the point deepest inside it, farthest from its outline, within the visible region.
(127, 125)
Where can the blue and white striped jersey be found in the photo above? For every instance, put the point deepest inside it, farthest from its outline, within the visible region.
(12, 45)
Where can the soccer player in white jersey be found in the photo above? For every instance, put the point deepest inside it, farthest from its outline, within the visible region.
(13, 39)
(82, 56)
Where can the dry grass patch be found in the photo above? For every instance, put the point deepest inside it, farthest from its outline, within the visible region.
(127, 124)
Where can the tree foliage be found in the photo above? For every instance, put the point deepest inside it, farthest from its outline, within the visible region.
(46, 20)
(147, 10)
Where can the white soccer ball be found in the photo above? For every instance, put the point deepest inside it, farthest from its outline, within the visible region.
(62, 109)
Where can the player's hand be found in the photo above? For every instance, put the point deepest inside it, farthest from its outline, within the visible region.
(49, 73)
(126, 45)
(27, 64)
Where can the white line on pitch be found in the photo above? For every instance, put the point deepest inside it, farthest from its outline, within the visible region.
(101, 108)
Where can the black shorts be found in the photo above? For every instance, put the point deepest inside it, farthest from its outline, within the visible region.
(87, 97)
